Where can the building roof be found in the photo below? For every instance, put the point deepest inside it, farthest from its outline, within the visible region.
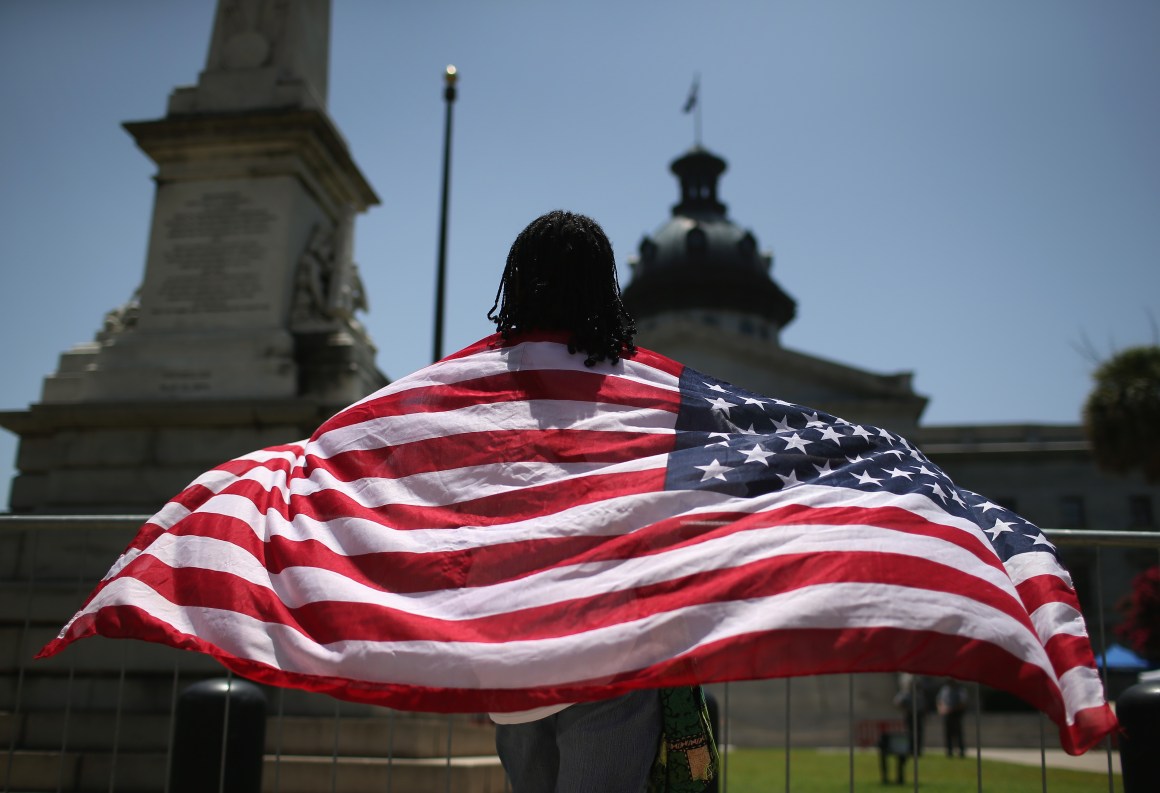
(702, 259)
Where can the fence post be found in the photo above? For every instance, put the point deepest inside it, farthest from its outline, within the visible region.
(216, 716)
(715, 727)
(1138, 710)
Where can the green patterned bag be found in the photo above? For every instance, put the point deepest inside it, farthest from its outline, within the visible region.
(687, 760)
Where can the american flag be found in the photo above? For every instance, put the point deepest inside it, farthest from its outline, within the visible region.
(509, 528)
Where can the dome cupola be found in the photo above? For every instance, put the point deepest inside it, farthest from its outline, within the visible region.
(700, 259)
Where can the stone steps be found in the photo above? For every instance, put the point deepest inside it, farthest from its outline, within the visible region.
(359, 774)
(127, 772)
(302, 753)
(406, 735)
(137, 772)
(393, 734)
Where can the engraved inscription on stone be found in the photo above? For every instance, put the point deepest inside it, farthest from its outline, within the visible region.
(184, 383)
(213, 255)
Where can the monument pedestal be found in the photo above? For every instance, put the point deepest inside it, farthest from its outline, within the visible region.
(130, 458)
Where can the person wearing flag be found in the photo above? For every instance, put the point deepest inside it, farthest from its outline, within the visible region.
(551, 521)
(560, 276)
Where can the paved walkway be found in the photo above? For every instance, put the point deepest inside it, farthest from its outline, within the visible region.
(1094, 760)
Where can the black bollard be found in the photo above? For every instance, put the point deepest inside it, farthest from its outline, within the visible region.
(205, 712)
(1138, 710)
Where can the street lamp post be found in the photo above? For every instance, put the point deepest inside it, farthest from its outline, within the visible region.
(450, 77)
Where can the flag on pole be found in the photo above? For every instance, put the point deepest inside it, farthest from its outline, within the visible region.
(508, 528)
(691, 101)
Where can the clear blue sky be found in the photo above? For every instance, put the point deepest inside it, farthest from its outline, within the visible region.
(965, 190)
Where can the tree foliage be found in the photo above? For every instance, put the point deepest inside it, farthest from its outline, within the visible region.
(1122, 413)
(1140, 629)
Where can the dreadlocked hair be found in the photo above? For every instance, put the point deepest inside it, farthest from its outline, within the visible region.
(561, 275)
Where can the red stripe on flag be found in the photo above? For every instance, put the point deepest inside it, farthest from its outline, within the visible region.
(825, 651)
(511, 386)
(485, 565)
(1068, 651)
(658, 362)
(326, 621)
(196, 494)
(1041, 589)
(486, 447)
(497, 341)
(505, 507)
(502, 507)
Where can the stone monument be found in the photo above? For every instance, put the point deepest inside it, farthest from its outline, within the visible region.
(243, 332)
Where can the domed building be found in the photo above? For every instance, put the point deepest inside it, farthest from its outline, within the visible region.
(701, 259)
(702, 292)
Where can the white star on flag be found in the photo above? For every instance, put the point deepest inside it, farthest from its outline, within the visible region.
(758, 455)
(830, 434)
(783, 425)
(936, 488)
(789, 481)
(824, 469)
(1000, 527)
(720, 404)
(1041, 540)
(713, 470)
(796, 442)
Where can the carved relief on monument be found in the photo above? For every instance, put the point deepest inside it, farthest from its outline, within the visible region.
(121, 319)
(327, 287)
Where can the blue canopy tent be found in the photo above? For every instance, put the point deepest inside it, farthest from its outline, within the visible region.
(1120, 657)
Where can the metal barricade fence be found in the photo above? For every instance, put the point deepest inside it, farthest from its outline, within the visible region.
(103, 714)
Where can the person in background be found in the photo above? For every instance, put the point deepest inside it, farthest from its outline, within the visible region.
(951, 703)
(914, 702)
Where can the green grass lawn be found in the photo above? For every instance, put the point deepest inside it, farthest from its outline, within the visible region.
(820, 771)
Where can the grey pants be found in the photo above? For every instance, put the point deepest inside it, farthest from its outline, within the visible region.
(592, 747)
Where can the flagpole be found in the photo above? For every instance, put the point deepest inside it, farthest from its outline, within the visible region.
(450, 77)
